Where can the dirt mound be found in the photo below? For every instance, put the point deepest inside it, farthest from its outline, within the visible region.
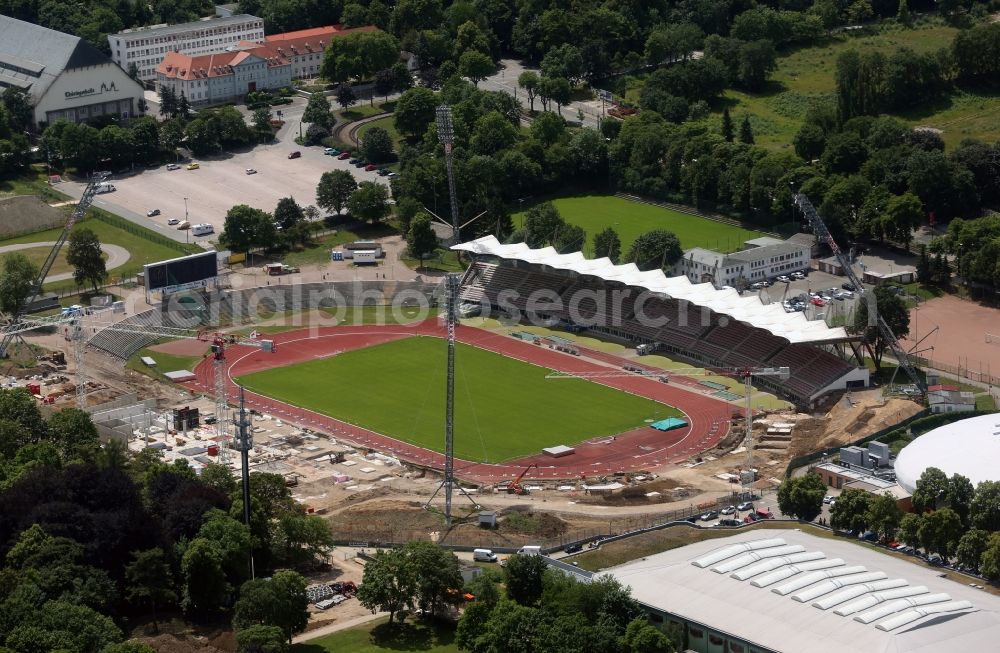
(188, 644)
(541, 524)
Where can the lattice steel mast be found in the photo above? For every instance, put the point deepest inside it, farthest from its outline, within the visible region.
(819, 228)
(446, 134)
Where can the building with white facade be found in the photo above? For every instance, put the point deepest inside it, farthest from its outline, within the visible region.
(147, 46)
(305, 48)
(223, 77)
(751, 265)
(65, 77)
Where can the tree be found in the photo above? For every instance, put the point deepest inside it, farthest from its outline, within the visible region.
(984, 512)
(756, 62)
(746, 131)
(262, 124)
(971, 547)
(850, 513)
(345, 96)
(334, 188)
(16, 284)
(73, 433)
(529, 81)
(205, 585)
(288, 607)
(168, 101)
(288, 214)
(414, 111)
(884, 516)
(61, 625)
(727, 125)
(369, 202)
(261, 639)
(492, 133)
(844, 153)
(183, 106)
(436, 572)
(420, 238)
(202, 136)
(376, 145)
(563, 61)
(318, 111)
(809, 141)
(960, 494)
(87, 258)
(925, 267)
(20, 112)
(149, 580)
(570, 238)
(247, 228)
(802, 497)
(909, 529)
(643, 637)
(524, 576)
(541, 223)
(903, 214)
(891, 309)
(388, 584)
(548, 128)
(989, 564)
(359, 55)
(476, 66)
(941, 531)
(608, 244)
(657, 249)
(931, 490)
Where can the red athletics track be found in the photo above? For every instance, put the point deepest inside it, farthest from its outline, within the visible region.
(644, 448)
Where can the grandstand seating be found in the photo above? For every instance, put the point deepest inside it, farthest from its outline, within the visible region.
(690, 331)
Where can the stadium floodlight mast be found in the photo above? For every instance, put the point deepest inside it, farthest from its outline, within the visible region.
(243, 442)
(452, 282)
(446, 134)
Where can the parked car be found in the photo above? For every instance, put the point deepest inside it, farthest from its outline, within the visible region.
(251, 171)
(573, 548)
(294, 155)
(730, 522)
(818, 301)
(869, 536)
(193, 166)
(797, 275)
(784, 279)
(392, 175)
(360, 164)
(827, 499)
(172, 221)
(344, 155)
(847, 285)
(183, 224)
(152, 212)
(330, 151)
(692, 519)
(173, 166)
(757, 286)
(728, 510)
(710, 515)
(384, 172)
(743, 507)
(371, 167)
(751, 518)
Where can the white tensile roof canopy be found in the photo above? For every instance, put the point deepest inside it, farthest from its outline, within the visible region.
(793, 327)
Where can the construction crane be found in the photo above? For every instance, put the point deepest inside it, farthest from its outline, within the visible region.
(745, 373)
(36, 287)
(819, 228)
(515, 486)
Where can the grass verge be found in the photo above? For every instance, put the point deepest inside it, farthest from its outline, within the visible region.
(164, 363)
(631, 219)
(379, 636)
(318, 251)
(505, 408)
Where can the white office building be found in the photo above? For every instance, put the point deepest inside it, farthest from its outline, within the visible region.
(756, 264)
(65, 77)
(224, 77)
(147, 46)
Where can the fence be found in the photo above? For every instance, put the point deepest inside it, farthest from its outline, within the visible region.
(959, 371)
(141, 232)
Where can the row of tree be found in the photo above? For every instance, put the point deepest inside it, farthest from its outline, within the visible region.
(951, 517)
(16, 118)
(92, 536)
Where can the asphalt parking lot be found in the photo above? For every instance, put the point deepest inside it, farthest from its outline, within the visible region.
(221, 182)
(815, 282)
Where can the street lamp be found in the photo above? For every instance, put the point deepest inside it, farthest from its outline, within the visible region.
(187, 232)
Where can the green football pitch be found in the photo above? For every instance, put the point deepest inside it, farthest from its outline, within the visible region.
(504, 408)
(631, 219)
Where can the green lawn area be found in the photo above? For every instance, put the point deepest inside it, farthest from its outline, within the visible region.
(362, 110)
(442, 259)
(504, 408)
(387, 124)
(805, 76)
(139, 241)
(33, 182)
(632, 219)
(378, 636)
(164, 363)
(319, 250)
(356, 315)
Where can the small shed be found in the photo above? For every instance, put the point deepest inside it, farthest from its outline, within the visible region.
(558, 451)
(487, 519)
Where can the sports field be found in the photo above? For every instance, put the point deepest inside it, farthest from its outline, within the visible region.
(632, 219)
(504, 408)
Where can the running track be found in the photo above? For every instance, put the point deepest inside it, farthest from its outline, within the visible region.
(641, 449)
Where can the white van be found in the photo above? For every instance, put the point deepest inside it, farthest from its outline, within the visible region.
(202, 229)
(483, 555)
(531, 550)
(105, 187)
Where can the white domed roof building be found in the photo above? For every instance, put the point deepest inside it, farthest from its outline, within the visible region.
(970, 447)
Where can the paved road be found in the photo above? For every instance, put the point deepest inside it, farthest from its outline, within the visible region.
(117, 257)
